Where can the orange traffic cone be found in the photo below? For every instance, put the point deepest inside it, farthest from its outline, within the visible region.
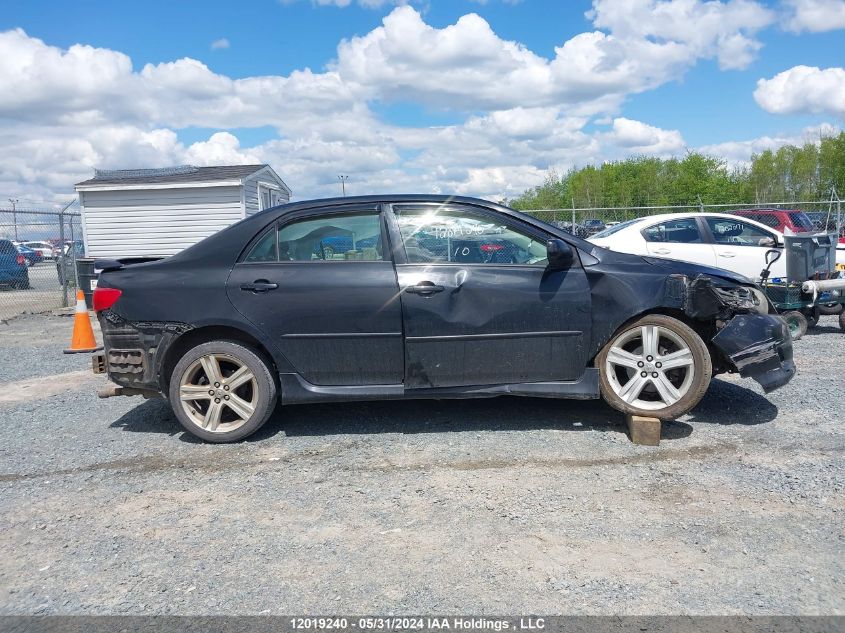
(83, 333)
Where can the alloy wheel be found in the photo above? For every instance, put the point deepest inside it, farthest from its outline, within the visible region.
(650, 367)
(218, 392)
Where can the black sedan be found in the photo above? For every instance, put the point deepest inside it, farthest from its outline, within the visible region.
(420, 303)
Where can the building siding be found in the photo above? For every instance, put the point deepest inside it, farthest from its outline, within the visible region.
(155, 222)
(251, 195)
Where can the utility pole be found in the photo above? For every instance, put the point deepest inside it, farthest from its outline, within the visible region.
(343, 180)
(14, 202)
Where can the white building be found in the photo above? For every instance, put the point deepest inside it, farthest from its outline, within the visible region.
(159, 212)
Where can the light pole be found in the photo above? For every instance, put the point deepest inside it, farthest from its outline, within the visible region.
(343, 180)
(14, 202)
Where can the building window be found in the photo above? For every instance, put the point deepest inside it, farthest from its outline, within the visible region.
(268, 196)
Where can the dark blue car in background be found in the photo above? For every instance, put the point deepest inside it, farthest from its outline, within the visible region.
(13, 268)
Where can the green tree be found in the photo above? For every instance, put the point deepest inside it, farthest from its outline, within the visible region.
(791, 173)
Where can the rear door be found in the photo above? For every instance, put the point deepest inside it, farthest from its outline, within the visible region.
(679, 238)
(321, 286)
(480, 306)
(741, 247)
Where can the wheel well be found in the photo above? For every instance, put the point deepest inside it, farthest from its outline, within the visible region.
(706, 330)
(197, 336)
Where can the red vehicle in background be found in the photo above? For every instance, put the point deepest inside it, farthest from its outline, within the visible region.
(781, 220)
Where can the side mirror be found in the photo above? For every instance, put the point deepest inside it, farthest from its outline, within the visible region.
(772, 256)
(559, 254)
(767, 241)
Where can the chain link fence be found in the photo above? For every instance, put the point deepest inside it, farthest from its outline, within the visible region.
(39, 248)
(823, 215)
(38, 251)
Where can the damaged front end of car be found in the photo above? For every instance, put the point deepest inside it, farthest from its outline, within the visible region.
(751, 337)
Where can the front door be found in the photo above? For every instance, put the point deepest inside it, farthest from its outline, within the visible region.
(738, 247)
(679, 238)
(479, 304)
(323, 290)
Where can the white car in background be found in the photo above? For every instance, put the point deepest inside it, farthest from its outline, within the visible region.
(713, 239)
(44, 249)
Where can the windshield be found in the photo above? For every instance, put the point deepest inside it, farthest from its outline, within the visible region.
(616, 228)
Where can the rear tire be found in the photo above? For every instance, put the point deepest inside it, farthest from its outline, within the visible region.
(222, 391)
(655, 367)
(831, 309)
(797, 324)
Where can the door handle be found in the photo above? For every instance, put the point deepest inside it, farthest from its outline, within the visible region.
(259, 285)
(727, 254)
(662, 251)
(424, 288)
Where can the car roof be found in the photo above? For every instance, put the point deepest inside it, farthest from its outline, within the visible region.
(387, 198)
(772, 211)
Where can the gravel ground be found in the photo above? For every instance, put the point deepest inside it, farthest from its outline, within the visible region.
(489, 506)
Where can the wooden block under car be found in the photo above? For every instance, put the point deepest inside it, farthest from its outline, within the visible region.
(644, 431)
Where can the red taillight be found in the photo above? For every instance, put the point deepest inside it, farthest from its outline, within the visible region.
(21, 260)
(104, 298)
(491, 248)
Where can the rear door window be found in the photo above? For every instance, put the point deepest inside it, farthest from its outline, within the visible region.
(329, 238)
(680, 231)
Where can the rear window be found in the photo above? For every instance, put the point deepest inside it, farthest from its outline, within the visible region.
(7, 247)
(801, 221)
(617, 227)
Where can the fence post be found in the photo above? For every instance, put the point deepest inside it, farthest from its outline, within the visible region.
(573, 216)
(62, 262)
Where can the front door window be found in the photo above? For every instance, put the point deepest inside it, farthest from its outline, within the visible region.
(436, 234)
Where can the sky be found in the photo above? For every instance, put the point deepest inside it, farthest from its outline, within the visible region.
(471, 97)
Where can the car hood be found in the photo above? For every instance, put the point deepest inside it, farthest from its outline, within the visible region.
(693, 270)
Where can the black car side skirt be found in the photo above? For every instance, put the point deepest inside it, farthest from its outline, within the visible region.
(296, 390)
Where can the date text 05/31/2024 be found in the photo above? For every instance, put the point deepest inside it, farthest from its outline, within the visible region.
(399, 623)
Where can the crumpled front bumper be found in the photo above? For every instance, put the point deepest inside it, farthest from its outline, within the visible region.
(759, 346)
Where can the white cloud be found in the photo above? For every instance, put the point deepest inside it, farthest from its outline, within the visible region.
(222, 43)
(803, 90)
(739, 153)
(66, 111)
(814, 15)
(222, 148)
(468, 66)
(641, 138)
(723, 30)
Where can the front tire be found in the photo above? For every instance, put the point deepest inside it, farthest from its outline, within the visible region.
(797, 324)
(654, 367)
(222, 391)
